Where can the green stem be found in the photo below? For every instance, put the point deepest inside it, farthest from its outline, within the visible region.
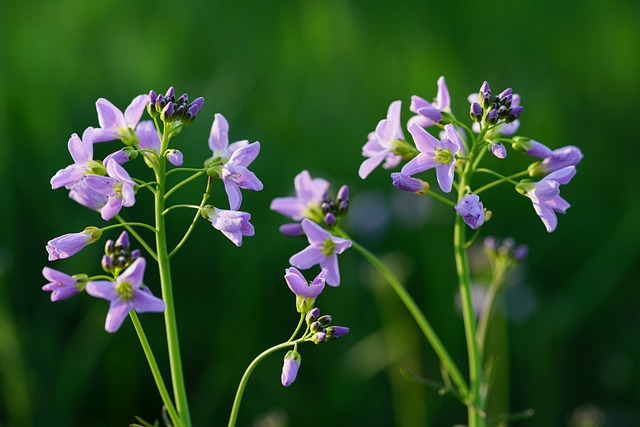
(487, 308)
(196, 217)
(171, 326)
(183, 182)
(245, 378)
(302, 315)
(499, 181)
(417, 314)
(169, 209)
(441, 198)
(128, 224)
(157, 376)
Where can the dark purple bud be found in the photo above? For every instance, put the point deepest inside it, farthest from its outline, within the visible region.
(109, 247)
(107, 263)
(408, 183)
(485, 88)
(505, 93)
(330, 219)
(326, 207)
(492, 117)
(326, 198)
(184, 99)
(120, 262)
(502, 111)
(315, 327)
(514, 113)
(193, 110)
(337, 331)
(484, 96)
(123, 241)
(343, 194)
(319, 337)
(521, 252)
(292, 230)
(325, 320)
(476, 112)
(343, 207)
(167, 112)
(313, 315)
(152, 96)
(135, 254)
(171, 94)
(161, 102)
(177, 115)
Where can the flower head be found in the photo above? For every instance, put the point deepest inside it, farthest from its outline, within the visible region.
(114, 124)
(118, 188)
(229, 161)
(233, 224)
(323, 249)
(82, 154)
(434, 153)
(545, 195)
(556, 160)
(471, 210)
(125, 294)
(70, 244)
(306, 293)
(290, 367)
(61, 285)
(381, 143)
(306, 203)
(430, 113)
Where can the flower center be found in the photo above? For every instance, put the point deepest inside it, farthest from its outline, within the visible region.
(328, 247)
(442, 156)
(125, 291)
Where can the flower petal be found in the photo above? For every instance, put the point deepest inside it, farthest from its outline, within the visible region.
(219, 135)
(102, 289)
(420, 163)
(332, 275)
(307, 258)
(315, 233)
(118, 310)
(444, 173)
(145, 302)
(425, 142)
(134, 111)
(134, 274)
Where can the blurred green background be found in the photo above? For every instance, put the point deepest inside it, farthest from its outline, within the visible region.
(309, 79)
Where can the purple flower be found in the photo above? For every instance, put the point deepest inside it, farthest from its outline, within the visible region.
(290, 367)
(117, 187)
(323, 249)
(306, 293)
(498, 150)
(434, 153)
(148, 138)
(430, 113)
(230, 161)
(87, 196)
(504, 128)
(233, 224)
(61, 285)
(70, 244)
(175, 157)
(531, 148)
(380, 144)
(306, 204)
(114, 124)
(335, 332)
(561, 158)
(471, 210)
(545, 195)
(126, 293)
(82, 154)
(407, 183)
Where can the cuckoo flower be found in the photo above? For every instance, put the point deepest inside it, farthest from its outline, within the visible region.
(323, 249)
(430, 113)
(381, 143)
(434, 153)
(230, 161)
(560, 158)
(126, 293)
(471, 210)
(233, 224)
(306, 203)
(82, 154)
(306, 293)
(545, 195)
(290, 367)
(117, 187)
(87, 196)
(61, 285)
(70, 244)
(531, 147)
(114, 124)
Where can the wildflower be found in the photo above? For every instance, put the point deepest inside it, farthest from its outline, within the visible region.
(556, 160)
(471, 210)
(498, 150)
(507, 116)
(82, 154)
(430, 113)
(545, 195)
(306, 293)
(531, 147)
(175, 157)
(233, 224)
(230, 161)
(434, 153)
(323, 249)
(125, 294)
(70, 244)
(335, 332)
(87, 196)
(290, 367)
(117, 187)
(306, 203)
(407, 183)
(381, 143)
(61, 285)
(114, 124)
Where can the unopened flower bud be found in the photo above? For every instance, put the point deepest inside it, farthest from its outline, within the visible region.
(513, 113)
(184, 99)
(330, 219)
(325, 320)
(107, 263)
(484, 96)
(492, 117)
(315, 326)
(123, 241)
(520, 253)
(498, 150)
(135, 254)
(167, 112)
(343, 207)
(161, 102)
(312, 315)
(475, 112)
(151, 104)
(171, 94)
(292, 230)
(174, 157)
(290, 367)
(335, 332)
(109, 247)
(319, 337)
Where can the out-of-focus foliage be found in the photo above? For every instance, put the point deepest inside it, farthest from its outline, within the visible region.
(309, 79)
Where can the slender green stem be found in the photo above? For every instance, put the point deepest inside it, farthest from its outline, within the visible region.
(157, 376)
(140, 240)
(417, 314)
(183, 182)
(169, 209)
(499, 181)
(297, 328)
(196, 217)
(172, 171)
(489, 301)
(171, 325)
(245, 378)
(441, 198)
(129, 224)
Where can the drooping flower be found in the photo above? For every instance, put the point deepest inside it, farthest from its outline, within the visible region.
(87, 196)
(471, 210)
(434, 153)
(82, 154)
(323, 249)
(290, 367)
(559, 158)
(545, 195)
(381, 143)
(430, 113)
(230, 161)
(306, 203)
(233, 224)
(409, 184)
(125, 294)
(61, 285)
(70, 244)
(306, 293)
(117, 187)
(114, 124)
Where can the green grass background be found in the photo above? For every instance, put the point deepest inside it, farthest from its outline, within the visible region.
(309, 79)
